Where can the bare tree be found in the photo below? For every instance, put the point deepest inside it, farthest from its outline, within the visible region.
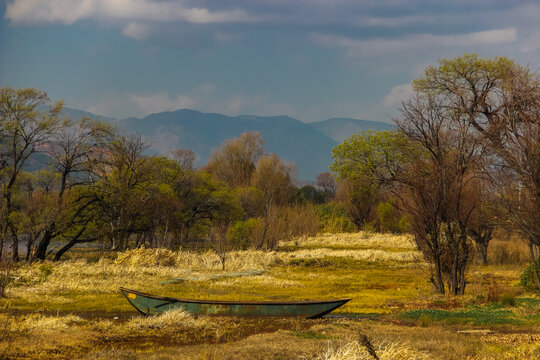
(328, 184)
(185, 158)
(501, 100)
(273, 177)
(434, 186)
(235, 162)
(486, 217)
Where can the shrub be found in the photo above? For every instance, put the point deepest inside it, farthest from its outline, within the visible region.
(528, 277)
(404, 225)
(44, 271)
(285, 223)
(334, 219)
(508, 299)
(389, 218)
(309, 193)
(240, 233)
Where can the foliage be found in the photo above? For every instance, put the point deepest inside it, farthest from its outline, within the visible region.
(334, 219)
(364, 163)
(240, 233)
(370, 154)
(389, 217)
(311, 194)
(28, 121)
(235, 162)
(528, 278)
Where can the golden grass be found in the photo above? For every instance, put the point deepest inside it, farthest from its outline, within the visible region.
(358, 240)
(385, 351)
(40, 323)
(382, 256)
(209, 260)
(382, 273)
(508, 251)
(176, 318)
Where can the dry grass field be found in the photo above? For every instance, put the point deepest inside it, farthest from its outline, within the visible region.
(74, 310)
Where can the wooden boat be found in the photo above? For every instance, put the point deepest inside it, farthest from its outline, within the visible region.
(152, 304)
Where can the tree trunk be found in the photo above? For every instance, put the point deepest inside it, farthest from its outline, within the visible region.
(482, 242)
(438, 280)
(15, 241)
(535, 263)
(482, 250)
(462, 283)
(76, 240)
(29, 246)
(43, 245)
(454, 287)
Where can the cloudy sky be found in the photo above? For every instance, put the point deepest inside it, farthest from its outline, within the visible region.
(309, 59)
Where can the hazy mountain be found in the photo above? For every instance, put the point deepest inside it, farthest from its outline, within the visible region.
(340, 129)
(309, 145)
(77, 114)
(290, 139)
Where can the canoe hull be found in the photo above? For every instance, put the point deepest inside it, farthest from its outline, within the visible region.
(151, 304)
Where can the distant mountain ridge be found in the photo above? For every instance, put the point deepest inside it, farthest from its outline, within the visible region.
(308, 145)
(340, 129)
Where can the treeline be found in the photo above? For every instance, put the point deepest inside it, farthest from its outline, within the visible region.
(464, 160)
(101, 187)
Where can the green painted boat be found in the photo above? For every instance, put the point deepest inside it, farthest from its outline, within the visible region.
(152, 304)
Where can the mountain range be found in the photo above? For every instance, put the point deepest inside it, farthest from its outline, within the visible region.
(308, 145)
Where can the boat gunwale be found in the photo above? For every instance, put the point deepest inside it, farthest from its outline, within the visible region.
(234, 302)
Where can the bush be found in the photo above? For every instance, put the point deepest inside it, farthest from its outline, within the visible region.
(389, 218)
(240, 234)
(334, 219)
(528, 277)
(309, 193)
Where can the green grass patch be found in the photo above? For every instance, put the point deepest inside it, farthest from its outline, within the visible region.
(521, 311)
(476, 317)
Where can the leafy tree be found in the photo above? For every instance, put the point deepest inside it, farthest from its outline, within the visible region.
(202, 202)
(311, 194)
(251, 199)
(28, 120)
(235, 162)
(74, 146)
(125, 189)
(364, 163)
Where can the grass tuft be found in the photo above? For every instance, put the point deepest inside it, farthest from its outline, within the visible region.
(385, 351)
